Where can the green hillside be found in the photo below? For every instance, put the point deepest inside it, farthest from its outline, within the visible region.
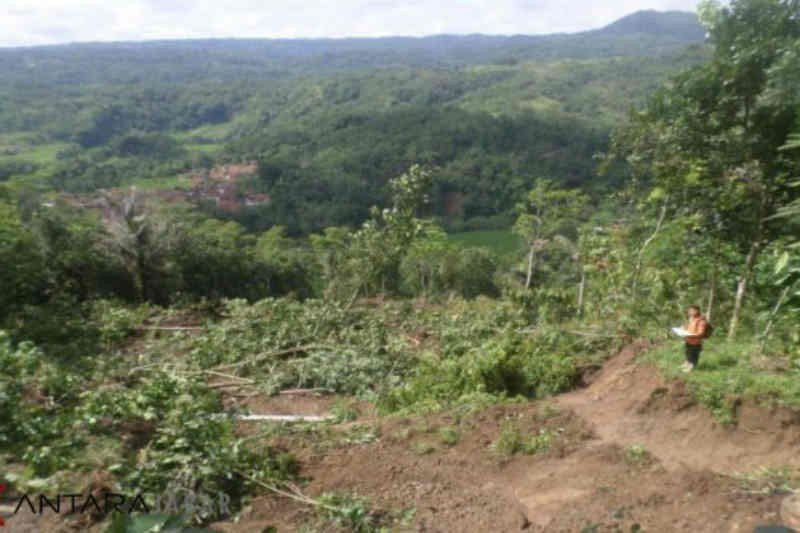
(330, 121)
(405, 284)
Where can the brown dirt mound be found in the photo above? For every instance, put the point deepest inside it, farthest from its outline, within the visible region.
(631, 450)
(630, 403)
(628, 452)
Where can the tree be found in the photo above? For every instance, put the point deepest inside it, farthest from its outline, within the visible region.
(429, 264)
(287, 267)
(378, 247)
(787, 277)
(547, 212)
(141, 237)
(71, 241)
(23, 272)
(711, 140)
(216, 260)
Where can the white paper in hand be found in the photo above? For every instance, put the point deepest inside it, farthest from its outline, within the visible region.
(680, 332)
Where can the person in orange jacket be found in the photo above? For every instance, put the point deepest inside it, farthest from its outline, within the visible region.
(697, 326)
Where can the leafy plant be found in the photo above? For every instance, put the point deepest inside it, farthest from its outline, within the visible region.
(512, 440)
(767, 481)
(637, 455)
(449, 436)
(151, 523)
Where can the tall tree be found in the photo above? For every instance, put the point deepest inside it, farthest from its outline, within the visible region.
(711, 139)
(546, 212)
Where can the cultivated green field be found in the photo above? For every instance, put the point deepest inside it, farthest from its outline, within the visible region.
(502, 241)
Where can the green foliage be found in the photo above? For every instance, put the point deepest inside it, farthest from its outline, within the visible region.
(713, 140)
(506, 365)
(449, 436)
(769, 481)
(286, 264)
(729, 372)
(191, 451)
(350, 512)
(475, 271)
(348, 350)
(712, 204)
(21, 261)
(170, 432)
(333, 126)
(501, 242)
(512, 440)
(150, 523)
(637, 455)
(344, 411)
(433, 266)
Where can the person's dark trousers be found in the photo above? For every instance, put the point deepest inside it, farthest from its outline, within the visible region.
(693, 353)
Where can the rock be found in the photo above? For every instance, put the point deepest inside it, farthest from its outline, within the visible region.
(790, 511)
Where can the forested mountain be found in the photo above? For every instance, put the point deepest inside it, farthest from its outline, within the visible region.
(645, 33)
(331, 120)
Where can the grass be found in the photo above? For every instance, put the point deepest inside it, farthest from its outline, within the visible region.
(204, 148)
(767, 481)
(41, 154)
(501, 241)
(449, 436)
(422, 448)
(726, 375)
(349, 512)
(345, 411)
(511, 441)
(637, 455)
(217, 132)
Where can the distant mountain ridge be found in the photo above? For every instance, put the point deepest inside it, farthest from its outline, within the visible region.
(644, 33)
(681, 24)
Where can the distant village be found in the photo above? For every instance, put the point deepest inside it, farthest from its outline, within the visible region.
(220, 185)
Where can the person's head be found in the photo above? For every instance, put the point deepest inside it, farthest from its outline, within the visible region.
(693, 311)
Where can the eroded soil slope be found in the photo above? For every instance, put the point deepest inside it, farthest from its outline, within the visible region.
(628, 452)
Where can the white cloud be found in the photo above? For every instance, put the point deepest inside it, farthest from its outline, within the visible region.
(30, 22)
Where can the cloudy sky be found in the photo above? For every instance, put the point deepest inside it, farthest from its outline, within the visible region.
(31, 22)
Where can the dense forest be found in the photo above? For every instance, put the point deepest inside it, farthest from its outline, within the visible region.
(331, 122)
(431, 227)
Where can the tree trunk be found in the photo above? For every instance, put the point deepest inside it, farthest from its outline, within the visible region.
(741, 286)
(640, 256)
(530, 268)
(711, 295)
(749, 263)
(581, 288)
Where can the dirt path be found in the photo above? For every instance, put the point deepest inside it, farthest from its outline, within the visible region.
(631, 404)
(632, 452)
(693, 458)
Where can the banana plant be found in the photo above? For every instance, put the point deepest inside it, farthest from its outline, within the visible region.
(787, 276)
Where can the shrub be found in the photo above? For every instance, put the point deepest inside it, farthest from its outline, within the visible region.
(505, 366)
(511, 441)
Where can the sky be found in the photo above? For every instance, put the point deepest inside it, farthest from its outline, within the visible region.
(34, 22)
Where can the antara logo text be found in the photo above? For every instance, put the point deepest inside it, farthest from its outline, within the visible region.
(179, 502)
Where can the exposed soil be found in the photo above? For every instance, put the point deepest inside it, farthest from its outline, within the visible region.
(630, 452)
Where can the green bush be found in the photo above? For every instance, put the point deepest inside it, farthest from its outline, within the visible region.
(506, 366)
(313, 344)
(511, 440)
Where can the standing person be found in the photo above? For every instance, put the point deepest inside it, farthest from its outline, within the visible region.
(698, 327)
